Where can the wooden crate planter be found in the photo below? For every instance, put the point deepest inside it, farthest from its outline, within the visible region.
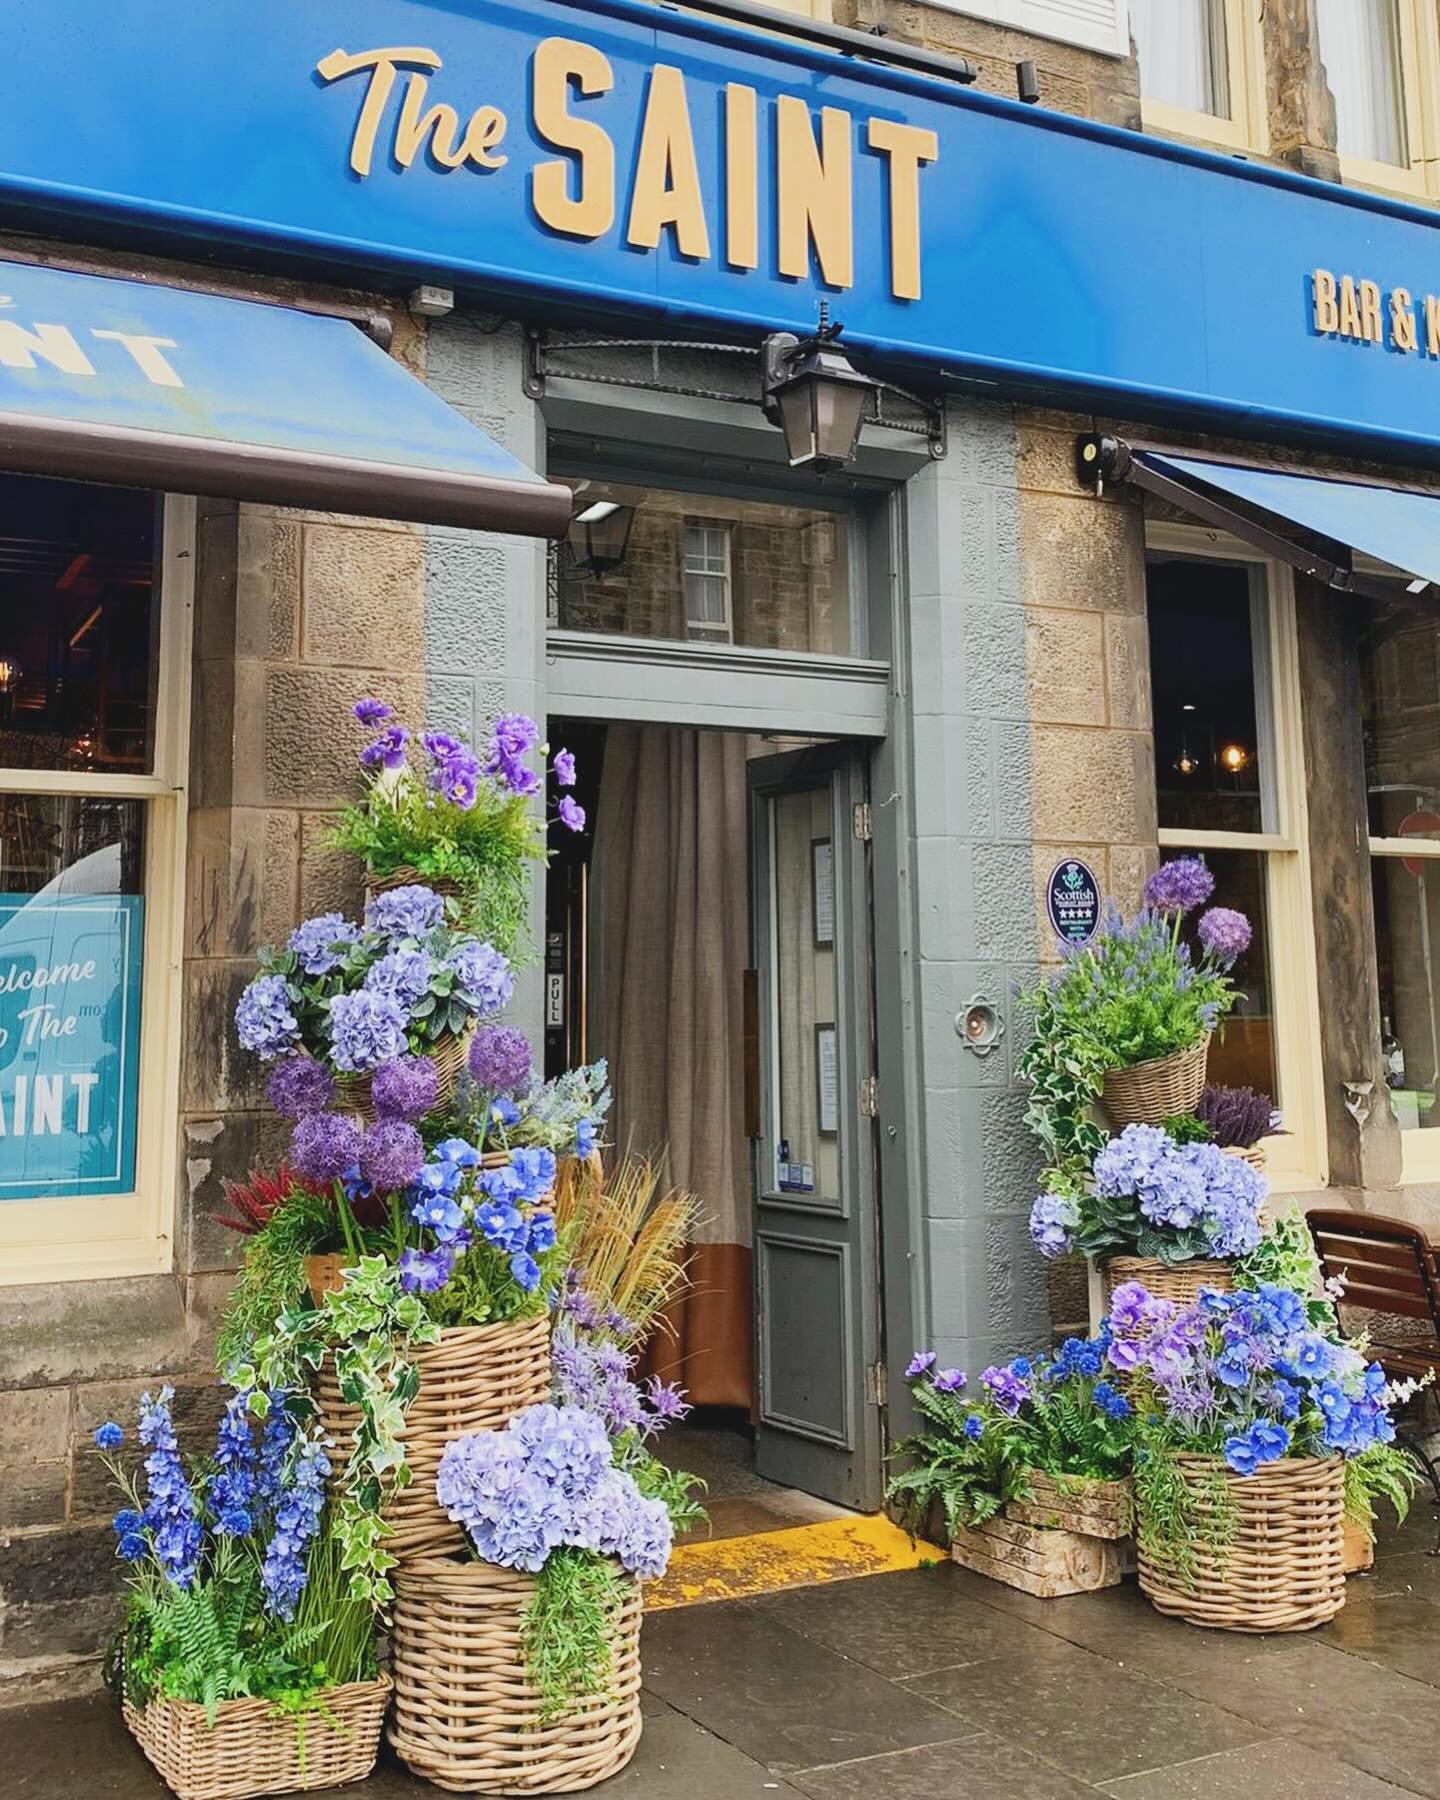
(1038, 1561)
(1077, 1503)
(1359, 1549)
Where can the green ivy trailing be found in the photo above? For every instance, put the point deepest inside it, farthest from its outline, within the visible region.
(567, 1630)
(1181, 1512)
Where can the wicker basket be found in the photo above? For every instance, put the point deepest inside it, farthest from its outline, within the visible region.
(253, 1748)
(1152, 1092)
(476, 1378)
(1284, 1569)
(1180, 1282)
(353, 1091)
(323, 1274)
(405, 876)
(466, 1715)
(1254, 1154)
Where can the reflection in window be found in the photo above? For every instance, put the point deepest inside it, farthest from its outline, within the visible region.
(1212, 750)
(1360, 46)
(1242, 1053)
(77, 626)
(711, 570)
(1182, 52)
(806, 1126)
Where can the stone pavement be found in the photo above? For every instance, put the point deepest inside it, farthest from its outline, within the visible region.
(939, 1685)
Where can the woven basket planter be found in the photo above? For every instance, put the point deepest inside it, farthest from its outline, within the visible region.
(252, 1748)
(1284, 1569)
(1152, 1092)
(405, 876)
(1078, 1503)
(1180, 1282)
(353, 1091)
(1254, 1154)
(323, 1274)
(476, 1378)
(466, 1715)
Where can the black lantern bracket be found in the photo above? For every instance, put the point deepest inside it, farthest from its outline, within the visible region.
(744, 374)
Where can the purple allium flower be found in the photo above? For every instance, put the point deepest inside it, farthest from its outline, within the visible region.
(300, 1086)
(483, 981)
(406, 912)
(367, 1028)
(264, 1021)
(426, 1271)
(324, 1145)
(1224, 933)
(109, 1436)
(406, 1087)
(388, 749)
(500, 1059)
(572, 813)
(563, 764)
(391, 1155)
(921, 1363)
(950, 1381)
(1179, 886)
(371, 713)
(321, 943)
(404, 973)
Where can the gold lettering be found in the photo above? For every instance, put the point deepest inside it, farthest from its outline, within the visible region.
(558, 62)
(484, 134)
(667, 180)
(1370, 313)
(1327, 313)
(742, 212)
(1349, 308)
(905, 147)
(441, 124)
(383, 65)
(145, 352)
(19, 348)
(814, 199)
(1402, 320)
(1432, 325)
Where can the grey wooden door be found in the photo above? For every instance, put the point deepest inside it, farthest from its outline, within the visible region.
(817, 1278)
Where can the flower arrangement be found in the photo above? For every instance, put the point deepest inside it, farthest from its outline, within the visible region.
(544, 1496)
(1237, 1118)
(235, 1586)
(1151, 1196)
(351, 997)
(434, 805)
(979, 1447)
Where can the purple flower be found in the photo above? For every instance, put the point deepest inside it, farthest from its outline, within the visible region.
(1225, 933)
(391, 1155)
(367, 1028)
(666, 1399)
(483, 981)
(387, 751)
(572, 814)
(406, 1087)
(426, 1271)
(563, 764)
(1054, 1220)
(1127, 1307)
(513, 737)
(950, 1381)
(974, 1427)
(500, 1059)
(440, 746)
(264, 1020)
(921, 1363)
(324, 1145)
(371, 713)
(406, 912)
(1179, 886)
(300, 1086)
(109, 1436)
(1008, 1390)
(321, 943)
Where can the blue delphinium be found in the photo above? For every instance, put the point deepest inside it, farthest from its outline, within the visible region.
(171, 1516)
(265, 1021)
(230, 1491)
(297, 1517)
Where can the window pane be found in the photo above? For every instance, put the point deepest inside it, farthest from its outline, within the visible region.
(77, 626)
(1400, 711)
(71, 937)
(786, 568)
(806, 1089)
(1212, 739)
(1183, 54)
(1407, 937)
(1242, 1053)
(1360, 48)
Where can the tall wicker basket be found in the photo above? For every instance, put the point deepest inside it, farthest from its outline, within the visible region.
(1284, 1569)
(405, 876)
(466, 1715)
(476, 1378)
(1180, 1282)
(1151, 1092)
(254, 1748)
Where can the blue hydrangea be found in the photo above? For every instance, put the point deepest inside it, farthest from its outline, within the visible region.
(483, 981)
(406, 912)
(1054, 1220)
(406, 974)
(367, 1028)
(265, 1021)
(321, 943)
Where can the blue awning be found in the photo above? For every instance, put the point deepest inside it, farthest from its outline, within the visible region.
(128, 381)
(1316, 524)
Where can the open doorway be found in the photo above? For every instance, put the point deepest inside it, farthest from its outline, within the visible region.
(709, 935)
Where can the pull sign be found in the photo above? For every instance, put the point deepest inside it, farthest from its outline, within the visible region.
(554, 1001)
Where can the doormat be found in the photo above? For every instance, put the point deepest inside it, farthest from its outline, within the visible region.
(767, 1562)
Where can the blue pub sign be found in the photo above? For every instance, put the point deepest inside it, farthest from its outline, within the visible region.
(69, 1043)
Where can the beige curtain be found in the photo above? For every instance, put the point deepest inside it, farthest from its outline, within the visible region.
(671, 919)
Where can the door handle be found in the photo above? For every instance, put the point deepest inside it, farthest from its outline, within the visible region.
(750, 1051)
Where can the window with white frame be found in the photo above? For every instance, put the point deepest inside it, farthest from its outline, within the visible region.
(94, 611)
(1092, 24)
(1230, 788)
(1202, 71)
(707, 583)
(1380, 59)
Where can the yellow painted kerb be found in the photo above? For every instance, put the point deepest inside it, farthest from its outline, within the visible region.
(805, 1555)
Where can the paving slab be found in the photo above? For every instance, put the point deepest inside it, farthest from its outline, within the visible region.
(979, 1768)
(1275, 1771)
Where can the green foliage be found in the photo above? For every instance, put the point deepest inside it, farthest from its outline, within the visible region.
(567, 1628)
(1065, 1079)
(1383, 1472)
(272, 1275)
(486, 851)
(481, 1290)
(970, 1478)
(1185, 1128)
(1286, 1256)
(1071, 1435)
(1178, 1512)
(657, 1481)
